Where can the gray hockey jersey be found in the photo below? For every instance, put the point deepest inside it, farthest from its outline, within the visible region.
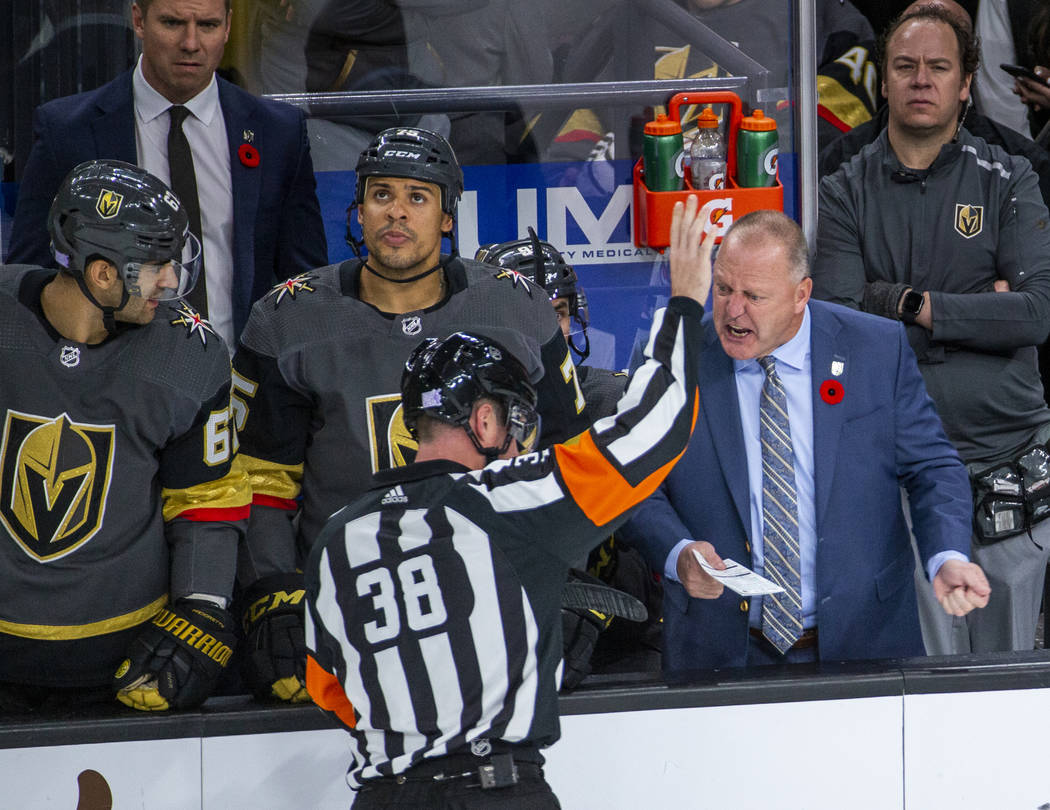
(116, 483)
(317, 382)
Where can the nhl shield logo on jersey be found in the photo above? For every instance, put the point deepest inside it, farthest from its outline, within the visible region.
(290, 288)
(969, 219)
(389, 440)
(54, 480)
(412, 325)
(108, 203)
(69, 356)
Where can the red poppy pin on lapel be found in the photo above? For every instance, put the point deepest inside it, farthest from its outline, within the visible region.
(247, 153)
(832, 392)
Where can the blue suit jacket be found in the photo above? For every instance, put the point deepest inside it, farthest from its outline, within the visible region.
(884, 433)
(277, 227)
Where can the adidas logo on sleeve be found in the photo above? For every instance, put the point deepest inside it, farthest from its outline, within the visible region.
(396, 495)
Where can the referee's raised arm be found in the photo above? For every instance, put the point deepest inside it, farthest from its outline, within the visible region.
(692, 243)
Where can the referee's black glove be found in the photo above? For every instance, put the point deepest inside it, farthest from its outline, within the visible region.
(274, 661)
(177, 658)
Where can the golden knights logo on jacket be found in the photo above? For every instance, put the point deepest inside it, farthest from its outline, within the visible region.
(969, 219)
(54, 480)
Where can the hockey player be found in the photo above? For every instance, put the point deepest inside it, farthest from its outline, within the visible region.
(318, 370)
(602, 387)
(433, 599)
(120, 511)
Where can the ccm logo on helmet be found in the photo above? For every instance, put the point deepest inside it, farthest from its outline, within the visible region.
(401, 153)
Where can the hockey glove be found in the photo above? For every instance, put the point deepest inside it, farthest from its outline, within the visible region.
(274, 662)
(176, 660)
(580, 629)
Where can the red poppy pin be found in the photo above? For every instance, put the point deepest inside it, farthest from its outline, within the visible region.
(832, 392)
(249, 155)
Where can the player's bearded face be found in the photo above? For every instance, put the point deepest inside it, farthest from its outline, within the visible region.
(402, 223)
(152, 281)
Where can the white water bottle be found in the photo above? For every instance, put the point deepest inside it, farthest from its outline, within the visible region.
(708, 154)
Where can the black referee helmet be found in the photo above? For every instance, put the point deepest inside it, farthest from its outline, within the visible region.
(444, 378)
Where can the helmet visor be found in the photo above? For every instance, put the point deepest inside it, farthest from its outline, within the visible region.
(523, 425)
(165, 280)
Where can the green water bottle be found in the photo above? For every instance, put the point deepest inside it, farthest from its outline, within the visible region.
(756, 151)
(662, 154)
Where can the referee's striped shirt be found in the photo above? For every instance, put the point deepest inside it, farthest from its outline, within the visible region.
(434, 600)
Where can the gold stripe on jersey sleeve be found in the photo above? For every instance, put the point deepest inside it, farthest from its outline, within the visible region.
(596, 485)
(229, 492)
(69, 632)
(270, 478)
(843, 104)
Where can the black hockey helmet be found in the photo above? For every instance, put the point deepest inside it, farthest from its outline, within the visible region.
(553, 274)
(121, 213)
(444, 378)
(416, 154)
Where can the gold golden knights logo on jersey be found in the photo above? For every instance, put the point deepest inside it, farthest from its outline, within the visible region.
(195, 323)
(290, 288)
(108, 203)
(54, 479)
(388, 437)
(969, 219)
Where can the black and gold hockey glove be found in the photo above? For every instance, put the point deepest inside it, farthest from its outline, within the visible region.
(177, 658)
(588, 607)
(274, 661)
(580, 629)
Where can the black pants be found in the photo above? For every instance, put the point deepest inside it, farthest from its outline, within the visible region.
(418, 789)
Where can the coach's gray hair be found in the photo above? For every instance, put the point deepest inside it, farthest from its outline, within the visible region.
(774, 226)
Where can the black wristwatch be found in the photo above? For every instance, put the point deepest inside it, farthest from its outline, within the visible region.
(911, 305)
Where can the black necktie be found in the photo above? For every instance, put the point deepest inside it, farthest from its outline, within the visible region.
(184, 184)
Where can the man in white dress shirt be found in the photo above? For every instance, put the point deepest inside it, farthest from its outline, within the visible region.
(260, 218)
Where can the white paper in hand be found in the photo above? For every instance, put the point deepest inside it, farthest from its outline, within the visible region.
(738, 578)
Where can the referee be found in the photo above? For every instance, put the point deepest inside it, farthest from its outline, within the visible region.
(433, 622)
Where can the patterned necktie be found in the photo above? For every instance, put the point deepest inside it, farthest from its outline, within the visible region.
(184, 184)
(781, 612)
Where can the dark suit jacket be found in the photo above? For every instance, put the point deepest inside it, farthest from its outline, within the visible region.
(882, 434)
(277, 227)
